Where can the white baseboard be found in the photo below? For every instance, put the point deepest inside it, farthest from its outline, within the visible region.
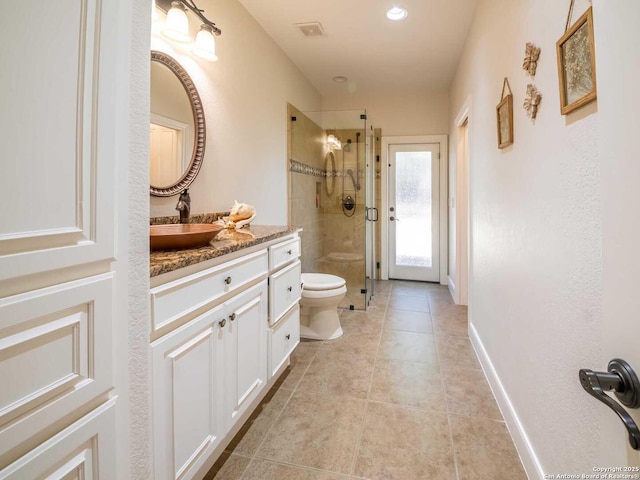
(525, 449)
(452, 288)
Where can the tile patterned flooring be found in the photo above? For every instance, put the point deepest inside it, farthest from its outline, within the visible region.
(373, 404)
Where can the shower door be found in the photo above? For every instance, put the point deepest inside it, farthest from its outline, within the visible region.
(371, 213)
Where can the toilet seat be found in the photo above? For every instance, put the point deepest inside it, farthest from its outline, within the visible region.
(321, 282)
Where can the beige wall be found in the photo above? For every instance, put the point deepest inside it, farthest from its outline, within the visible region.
(404, 113)
(535, 293)
(245, 97)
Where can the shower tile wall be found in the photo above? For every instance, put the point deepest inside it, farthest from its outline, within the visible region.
(306, 145)
(327, 230)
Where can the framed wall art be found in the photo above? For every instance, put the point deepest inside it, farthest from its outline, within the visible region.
(577, 64)
(504, 112)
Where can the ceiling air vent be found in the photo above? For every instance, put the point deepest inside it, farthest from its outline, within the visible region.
(313, 29)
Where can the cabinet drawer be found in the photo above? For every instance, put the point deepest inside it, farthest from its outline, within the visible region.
(173, 300)
(283, 253)
(283, 338)
(284, 291)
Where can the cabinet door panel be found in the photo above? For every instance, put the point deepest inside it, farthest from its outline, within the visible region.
(62, 89)
(187, 396)
(84, 450)
(245, 342)
(55, 355)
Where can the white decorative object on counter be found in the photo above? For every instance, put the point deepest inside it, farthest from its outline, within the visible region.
(240, 215)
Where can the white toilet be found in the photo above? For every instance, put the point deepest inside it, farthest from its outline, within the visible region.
(321, 295)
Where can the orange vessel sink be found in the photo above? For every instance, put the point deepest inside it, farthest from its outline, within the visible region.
(182, 236)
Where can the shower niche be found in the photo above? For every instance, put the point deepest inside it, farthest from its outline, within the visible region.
(335, 148)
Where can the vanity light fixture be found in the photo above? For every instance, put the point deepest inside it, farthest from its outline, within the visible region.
(176, 28)
(333, 143)
(397, 13)
(205, 46)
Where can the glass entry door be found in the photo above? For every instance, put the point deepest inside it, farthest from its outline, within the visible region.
(414, 212)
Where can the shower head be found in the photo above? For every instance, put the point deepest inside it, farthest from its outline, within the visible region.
(356, 184)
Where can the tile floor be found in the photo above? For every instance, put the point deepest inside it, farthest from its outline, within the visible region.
(373, 404)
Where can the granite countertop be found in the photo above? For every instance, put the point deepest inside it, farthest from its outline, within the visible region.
(227, 241)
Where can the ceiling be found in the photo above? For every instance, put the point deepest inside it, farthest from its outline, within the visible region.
(379, 56)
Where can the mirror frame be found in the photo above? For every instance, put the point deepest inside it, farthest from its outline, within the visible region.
(199, 127)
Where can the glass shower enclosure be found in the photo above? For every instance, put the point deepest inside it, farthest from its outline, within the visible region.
(330, 196)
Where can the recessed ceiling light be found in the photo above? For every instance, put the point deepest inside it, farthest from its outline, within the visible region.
(340, 79)
(396, 13)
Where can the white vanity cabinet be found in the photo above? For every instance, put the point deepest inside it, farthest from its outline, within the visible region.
(221, 336)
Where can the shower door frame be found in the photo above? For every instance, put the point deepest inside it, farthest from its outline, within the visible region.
(387, 141)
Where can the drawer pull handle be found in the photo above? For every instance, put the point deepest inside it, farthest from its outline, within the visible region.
(290, 289)
(287, 336)
(227, 280)
(232, 317)
(222, 323)
(289, 252)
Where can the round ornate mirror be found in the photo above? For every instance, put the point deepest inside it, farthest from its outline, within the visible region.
(177, 132)
(330, 168)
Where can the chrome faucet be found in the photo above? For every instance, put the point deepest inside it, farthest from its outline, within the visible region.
(184, 206)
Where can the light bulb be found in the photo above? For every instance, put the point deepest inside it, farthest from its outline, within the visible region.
(397, 13)
(205, 46)
(177, 26)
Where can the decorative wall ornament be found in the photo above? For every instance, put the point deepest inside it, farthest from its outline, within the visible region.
(504, 112)
(531, 56)
(532, 100)
(577, 63)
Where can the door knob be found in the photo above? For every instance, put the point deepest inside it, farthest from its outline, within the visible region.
(222, 323)
(227, 280)
(621, 379)
(392, 209)
(232, 317)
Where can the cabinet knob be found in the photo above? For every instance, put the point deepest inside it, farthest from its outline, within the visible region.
(227, 280)
(222, 323)
(287, 336)
(232, 317)
(289, 252)
(290, 289)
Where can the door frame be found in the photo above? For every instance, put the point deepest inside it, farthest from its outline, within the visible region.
(444, 192)
(459, 284)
